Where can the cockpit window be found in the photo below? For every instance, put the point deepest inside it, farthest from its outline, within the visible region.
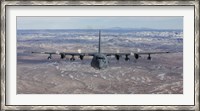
(100, 58)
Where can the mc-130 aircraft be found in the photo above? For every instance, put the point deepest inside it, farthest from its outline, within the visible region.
(100, 60)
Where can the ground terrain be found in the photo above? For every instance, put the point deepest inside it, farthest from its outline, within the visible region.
(37, 75)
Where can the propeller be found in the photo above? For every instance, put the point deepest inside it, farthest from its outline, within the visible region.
(117, 50)
(139, 50)
(136, 56)
(79, 50)
(117, 56)
(62, 55)
(81, 57)
(57, 52)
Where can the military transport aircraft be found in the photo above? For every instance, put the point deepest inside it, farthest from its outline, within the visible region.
(100, 60)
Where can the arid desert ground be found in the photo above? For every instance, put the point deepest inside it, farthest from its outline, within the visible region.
(161, 75)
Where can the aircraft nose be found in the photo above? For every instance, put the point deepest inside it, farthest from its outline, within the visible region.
(100, 63)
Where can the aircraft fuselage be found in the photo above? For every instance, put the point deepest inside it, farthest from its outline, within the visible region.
(99, 61)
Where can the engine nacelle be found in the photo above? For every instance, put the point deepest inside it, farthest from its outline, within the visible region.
(62, 56)
(117, 57)
(136, 56)
(81, 57)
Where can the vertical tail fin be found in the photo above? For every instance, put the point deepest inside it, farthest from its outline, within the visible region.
(99, 51)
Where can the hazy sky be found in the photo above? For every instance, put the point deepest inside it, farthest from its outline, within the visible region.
(99, 22)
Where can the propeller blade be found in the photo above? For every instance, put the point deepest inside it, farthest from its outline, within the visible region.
(57, 52)
(132, 53)
(117, 50)
(79, 50)
(139, 50)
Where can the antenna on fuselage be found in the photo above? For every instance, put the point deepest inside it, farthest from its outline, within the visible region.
(99, 51)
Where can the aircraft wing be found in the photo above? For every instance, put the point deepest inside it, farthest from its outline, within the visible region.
(142, 53)
(46, 52)
(135, 54)
(63, 54)
(66, 53)
(117, 55)
(78, 54)
(132, 53)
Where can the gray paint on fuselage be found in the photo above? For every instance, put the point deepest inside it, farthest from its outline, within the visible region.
(99, 61)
